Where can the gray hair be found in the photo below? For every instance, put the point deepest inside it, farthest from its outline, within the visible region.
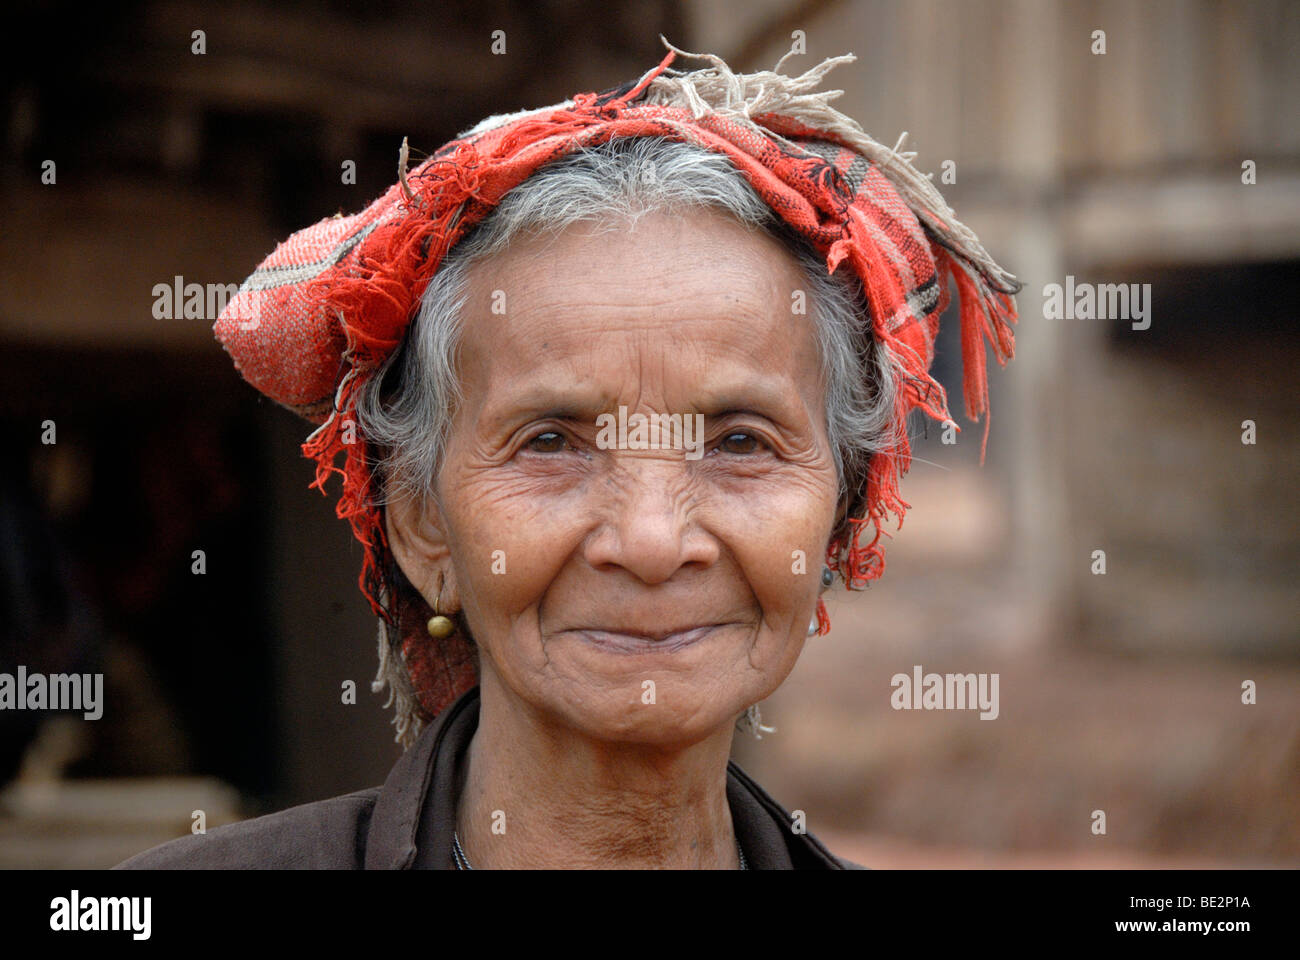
(406, 410)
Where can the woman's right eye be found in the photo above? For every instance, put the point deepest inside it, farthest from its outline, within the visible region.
(548, 442)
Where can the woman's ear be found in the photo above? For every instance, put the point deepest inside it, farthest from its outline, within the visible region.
(418, 541)
(841, 511)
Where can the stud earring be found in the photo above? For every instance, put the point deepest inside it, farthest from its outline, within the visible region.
(828, 577)
(439, 626)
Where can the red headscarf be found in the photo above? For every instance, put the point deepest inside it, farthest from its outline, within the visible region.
(332, 302)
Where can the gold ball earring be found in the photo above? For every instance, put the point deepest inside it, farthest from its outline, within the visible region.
(439, 627)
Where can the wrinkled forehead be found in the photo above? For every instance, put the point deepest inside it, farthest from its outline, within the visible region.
(695, 305)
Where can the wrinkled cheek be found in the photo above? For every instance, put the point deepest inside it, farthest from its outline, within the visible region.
(506, 555)
(780, 645)
(785, 558)
(487, 526)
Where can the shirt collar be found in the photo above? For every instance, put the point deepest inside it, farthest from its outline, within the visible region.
(402, 836)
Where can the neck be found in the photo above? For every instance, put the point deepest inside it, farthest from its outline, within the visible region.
(540, 794)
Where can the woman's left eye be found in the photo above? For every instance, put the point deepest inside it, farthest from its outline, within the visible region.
(740, 442)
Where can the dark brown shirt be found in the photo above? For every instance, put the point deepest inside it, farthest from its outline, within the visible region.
(407, 823)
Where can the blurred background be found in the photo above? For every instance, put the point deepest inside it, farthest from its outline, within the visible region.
(1119, 692)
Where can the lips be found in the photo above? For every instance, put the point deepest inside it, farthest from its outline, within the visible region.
(620, 641)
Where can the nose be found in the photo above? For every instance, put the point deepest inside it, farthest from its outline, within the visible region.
(649, 528)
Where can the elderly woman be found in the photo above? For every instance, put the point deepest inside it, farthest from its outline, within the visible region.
(617, 384)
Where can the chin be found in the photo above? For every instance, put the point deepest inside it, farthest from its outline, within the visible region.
(661, 697)
(686, 707)
(688, 720)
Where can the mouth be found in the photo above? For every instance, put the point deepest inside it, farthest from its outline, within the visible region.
(618, 641)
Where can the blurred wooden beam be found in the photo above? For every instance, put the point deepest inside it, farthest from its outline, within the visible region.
(777, 30)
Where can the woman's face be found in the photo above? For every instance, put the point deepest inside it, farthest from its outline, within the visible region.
(644, 595)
